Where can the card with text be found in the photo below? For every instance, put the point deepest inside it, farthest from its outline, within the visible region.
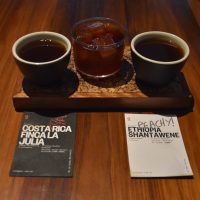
(155, 146)
(45, 146)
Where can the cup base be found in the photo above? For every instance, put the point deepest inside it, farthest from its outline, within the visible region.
(66, 86)
(96, 77)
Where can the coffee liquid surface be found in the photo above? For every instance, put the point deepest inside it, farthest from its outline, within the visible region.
(159, 50)
(42, 51)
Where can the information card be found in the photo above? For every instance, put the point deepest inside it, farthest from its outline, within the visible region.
(45, 146)
(155, 146)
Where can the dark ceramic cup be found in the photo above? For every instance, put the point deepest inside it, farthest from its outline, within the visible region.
(47, 72)
(154, 72)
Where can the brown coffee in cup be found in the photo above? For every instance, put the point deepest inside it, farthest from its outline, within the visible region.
(43, 50)
(158, 57)
(160, 50)
(42, 57)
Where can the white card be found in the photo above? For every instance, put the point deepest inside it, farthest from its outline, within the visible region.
(155, 146)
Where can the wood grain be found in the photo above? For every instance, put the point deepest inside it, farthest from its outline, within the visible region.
(101, 168)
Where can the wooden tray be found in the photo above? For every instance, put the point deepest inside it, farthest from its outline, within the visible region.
(117, 93)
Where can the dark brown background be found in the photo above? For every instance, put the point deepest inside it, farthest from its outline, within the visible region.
(101, 168)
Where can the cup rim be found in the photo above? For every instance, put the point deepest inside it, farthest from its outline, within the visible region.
(124, 30)
(33, 34)
(161, 33)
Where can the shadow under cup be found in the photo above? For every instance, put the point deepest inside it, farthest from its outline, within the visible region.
(158, 57)
(43, 63)
(98, 45)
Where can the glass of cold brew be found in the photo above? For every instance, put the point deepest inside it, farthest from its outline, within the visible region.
(98, 45)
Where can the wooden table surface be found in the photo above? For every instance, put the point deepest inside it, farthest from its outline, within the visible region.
(101, 170)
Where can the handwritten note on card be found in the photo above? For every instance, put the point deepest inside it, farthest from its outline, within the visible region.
(155, 146)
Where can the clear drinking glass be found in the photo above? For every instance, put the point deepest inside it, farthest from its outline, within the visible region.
(98, 45)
